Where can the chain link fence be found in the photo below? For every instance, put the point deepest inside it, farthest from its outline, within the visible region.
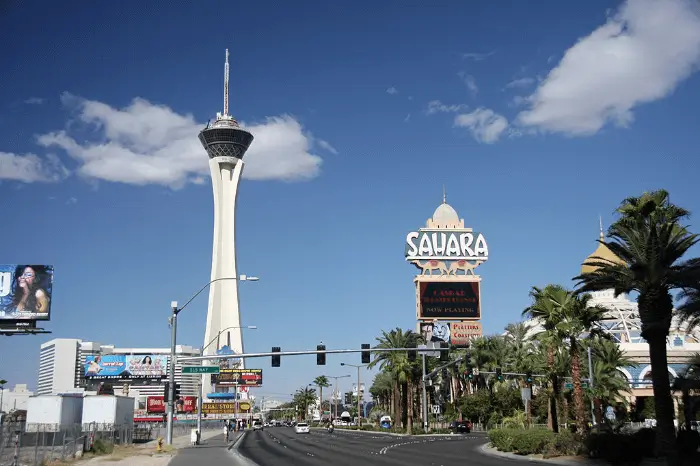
(37, 444)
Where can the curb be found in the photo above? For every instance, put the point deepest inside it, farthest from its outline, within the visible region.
(489, 451)
(238, 458)
(234, 445)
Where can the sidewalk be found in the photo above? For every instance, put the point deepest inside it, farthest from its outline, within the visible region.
(559, 460)
(213, 451)
(145, 454)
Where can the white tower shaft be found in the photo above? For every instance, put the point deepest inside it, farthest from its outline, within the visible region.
(223, 311)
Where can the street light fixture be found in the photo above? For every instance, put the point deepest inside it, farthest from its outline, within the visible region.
(173, 343)
(201, 381)
(359, 392)
(335, 390)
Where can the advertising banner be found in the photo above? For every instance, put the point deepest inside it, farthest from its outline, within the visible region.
(184, 404)
(449, 300)
(435, 331)
(244, 377)
(225, 408)
(461, 333)
(25, 292)
(126, 366)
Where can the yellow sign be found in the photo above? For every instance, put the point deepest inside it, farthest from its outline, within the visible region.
(225, 408)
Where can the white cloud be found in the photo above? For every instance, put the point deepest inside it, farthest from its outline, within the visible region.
(72, 200)
(477, 56)
(469, 81)
(408, 117)
(34, 101)
(522, 82)
(639, 55)
(484, 124)
(30, 168)
(326, 146)
(435, 106)
(145, 143)
(392, 90)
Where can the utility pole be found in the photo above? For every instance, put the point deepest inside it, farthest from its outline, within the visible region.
(171, 375)
(590, 381)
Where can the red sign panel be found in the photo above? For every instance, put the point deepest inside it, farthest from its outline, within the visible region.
(185, 404)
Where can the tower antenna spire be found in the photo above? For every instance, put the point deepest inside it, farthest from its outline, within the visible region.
(600, 218)
(226, 86)
(444, 195)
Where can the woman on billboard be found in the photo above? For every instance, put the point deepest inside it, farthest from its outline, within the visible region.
(29, 296)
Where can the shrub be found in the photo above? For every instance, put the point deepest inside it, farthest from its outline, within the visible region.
(531, 441)
(564, 444)
(617, 448)
(101, 447)
(688, 442)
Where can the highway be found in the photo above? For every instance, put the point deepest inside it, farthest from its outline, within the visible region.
(282, 446)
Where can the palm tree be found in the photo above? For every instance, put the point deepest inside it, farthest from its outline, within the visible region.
(321, 382)
(576, 317)
(609, 382)
(650, 241)
(403, 371)
(303, 398)
(545, 311)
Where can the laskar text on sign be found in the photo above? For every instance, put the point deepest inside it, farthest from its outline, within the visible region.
(446, 245)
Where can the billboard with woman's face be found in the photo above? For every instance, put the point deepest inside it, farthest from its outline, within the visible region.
(123, 366)
(25, 292)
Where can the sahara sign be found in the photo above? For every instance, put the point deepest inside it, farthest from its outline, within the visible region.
(446, 245)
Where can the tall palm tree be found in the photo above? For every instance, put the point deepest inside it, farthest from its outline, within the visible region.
(610, 384)
(303, 398)
(650, 241)
(321, 382)
(545, 311)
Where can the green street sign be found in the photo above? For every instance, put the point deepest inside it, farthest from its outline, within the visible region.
(200, 369)
(570, 386)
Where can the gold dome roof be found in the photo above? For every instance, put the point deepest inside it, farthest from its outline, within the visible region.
(601, 253)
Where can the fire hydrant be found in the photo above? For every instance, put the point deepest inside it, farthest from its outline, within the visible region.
(159, 445)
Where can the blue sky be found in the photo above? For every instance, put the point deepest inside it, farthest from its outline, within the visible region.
(536, 119)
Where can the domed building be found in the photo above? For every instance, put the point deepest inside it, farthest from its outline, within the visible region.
(622, 323)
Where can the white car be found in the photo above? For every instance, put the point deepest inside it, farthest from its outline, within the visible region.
(302, 428)
(257, 425)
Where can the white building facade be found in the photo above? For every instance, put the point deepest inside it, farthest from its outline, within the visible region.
(15, 399)
(62, 362)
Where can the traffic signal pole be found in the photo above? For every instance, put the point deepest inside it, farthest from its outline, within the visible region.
(425, 398)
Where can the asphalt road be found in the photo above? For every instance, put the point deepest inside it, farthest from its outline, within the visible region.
(281, 446)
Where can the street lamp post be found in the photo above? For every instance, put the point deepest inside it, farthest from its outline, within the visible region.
(359, 392)
(335, 391)
(173, 343)
(201, 382)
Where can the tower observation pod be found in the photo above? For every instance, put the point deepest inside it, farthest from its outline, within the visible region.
(226, 143)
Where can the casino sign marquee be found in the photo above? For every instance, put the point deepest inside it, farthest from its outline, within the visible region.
(448, 291)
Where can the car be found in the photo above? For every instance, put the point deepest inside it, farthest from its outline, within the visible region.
(257, 425)
(302, 428)
(461, 427)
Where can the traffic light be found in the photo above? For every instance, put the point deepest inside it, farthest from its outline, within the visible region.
(348, 398)
(177, 391)
(444, 355)
(470, 372)
(365, 354)
(276, 357)
(528, 377)
(499, 374)
(321, 357)
(412, 353)
(166, 392)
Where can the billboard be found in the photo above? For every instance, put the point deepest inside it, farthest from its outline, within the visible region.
(126, 366)
(25, 292)
(435, 331)
(184, 404)
(457, 300)
(225, 408)
(245, 377)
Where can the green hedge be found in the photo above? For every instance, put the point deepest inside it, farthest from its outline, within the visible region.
(535, 441)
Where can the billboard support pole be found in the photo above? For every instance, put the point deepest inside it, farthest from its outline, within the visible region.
(171, 375)
(425, 398)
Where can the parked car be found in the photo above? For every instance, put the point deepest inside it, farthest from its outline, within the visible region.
(461, 427)
(302, 428)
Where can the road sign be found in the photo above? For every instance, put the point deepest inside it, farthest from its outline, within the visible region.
(570, 386)
(200, 369)
(436, 409)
